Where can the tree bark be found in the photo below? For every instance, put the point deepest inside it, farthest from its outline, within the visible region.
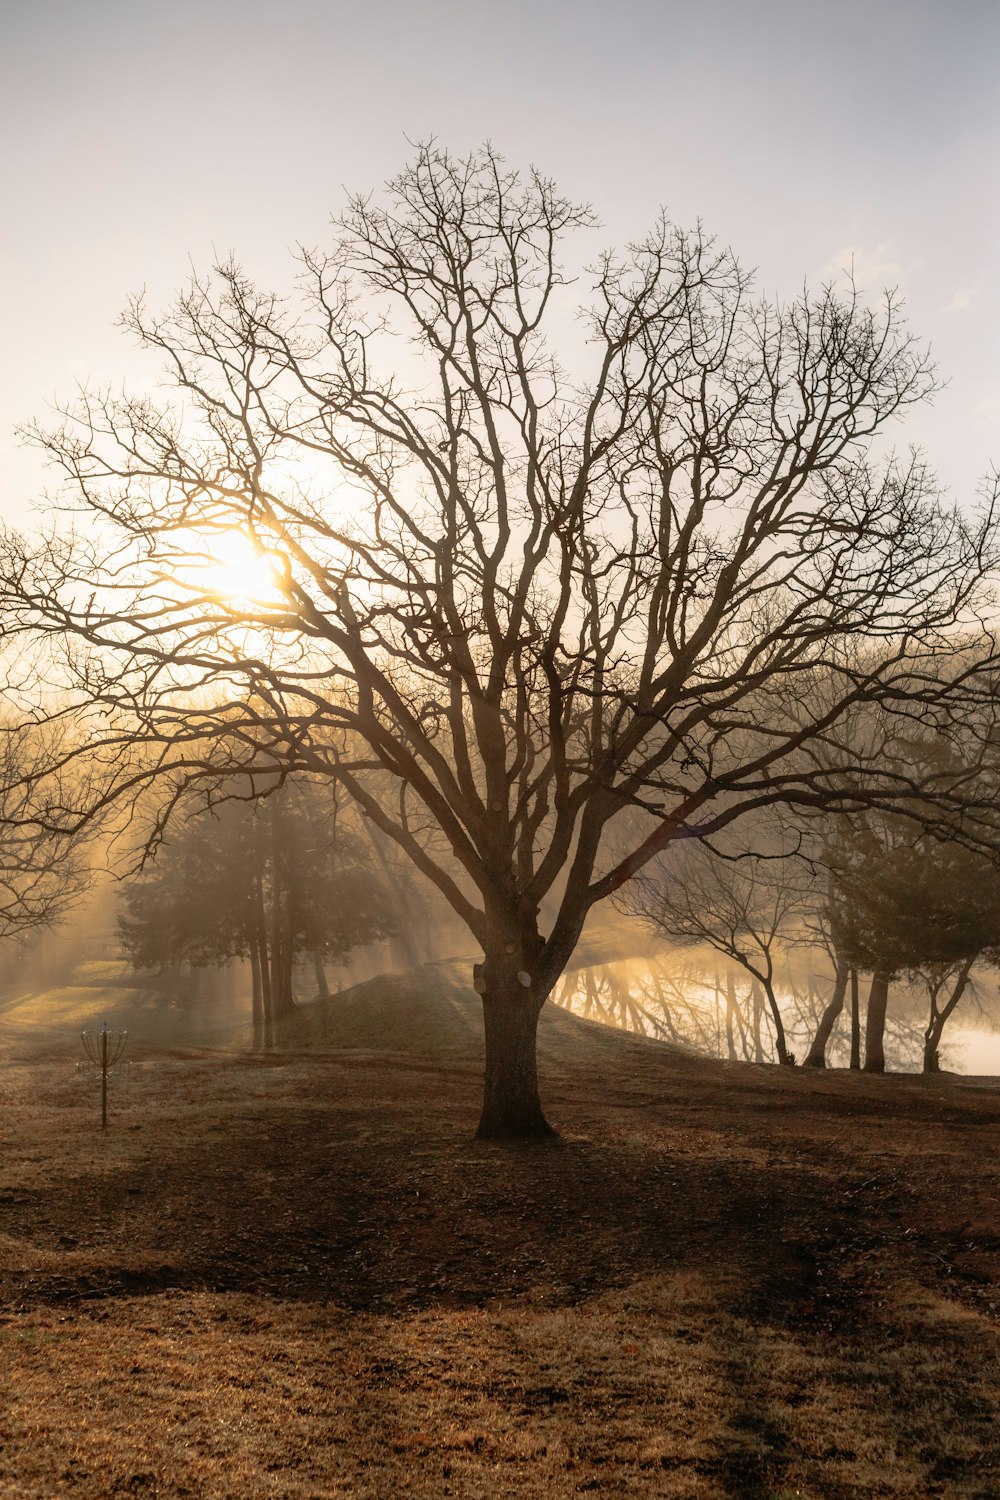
(816, 1056)
(780, 1045)
(512, 1109)
(878, 1000)
(855, 1024)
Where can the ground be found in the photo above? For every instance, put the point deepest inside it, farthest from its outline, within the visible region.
(297, 1275)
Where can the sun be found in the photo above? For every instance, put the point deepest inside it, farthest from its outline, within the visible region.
(234, 569)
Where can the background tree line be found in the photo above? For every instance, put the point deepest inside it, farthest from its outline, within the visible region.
(874, 896)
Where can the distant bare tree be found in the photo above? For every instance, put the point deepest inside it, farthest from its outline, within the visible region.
(945, 989)
(825, 935)
(665, 996)
(745, 904)
(546, 604)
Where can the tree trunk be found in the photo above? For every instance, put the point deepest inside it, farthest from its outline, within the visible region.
(936, 1024)
(730, 1009)
(258, 993)
(322, 988)
(855, 1024)
(267, 998)
(286, 993)
(816, 1056)
(743, 1025)
(878, 1000)
(258, 947)
(512, 1109)
(282, 1000)
(260, 1017)
(757, 1004)
(780, 1045)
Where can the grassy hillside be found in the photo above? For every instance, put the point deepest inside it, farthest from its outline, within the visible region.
(297, 1274)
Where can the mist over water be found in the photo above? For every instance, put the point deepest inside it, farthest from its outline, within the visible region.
(973, 1050)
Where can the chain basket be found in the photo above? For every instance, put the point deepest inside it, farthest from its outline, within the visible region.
(104, 1050)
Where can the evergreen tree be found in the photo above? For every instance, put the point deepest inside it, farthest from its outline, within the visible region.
(903, 903)
(265, 880)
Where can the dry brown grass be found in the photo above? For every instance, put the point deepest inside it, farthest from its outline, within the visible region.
(299, 1277)
(659, 1393)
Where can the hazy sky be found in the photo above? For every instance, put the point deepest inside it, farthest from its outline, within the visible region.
(140, 134)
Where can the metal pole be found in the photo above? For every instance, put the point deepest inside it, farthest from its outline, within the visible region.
(104, 1076)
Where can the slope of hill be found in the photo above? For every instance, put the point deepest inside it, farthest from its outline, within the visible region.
(431, 1012)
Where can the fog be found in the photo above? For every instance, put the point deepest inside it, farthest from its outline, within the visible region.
(75, 977)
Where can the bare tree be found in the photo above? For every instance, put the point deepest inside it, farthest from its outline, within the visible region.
(945, 988)
(546, 604)
(745, 904)
(666, 995)
(823, 930)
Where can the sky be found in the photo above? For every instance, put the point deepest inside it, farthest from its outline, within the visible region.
(142, 137)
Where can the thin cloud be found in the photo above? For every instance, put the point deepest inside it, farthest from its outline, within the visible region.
(986, 412)
(878, 267)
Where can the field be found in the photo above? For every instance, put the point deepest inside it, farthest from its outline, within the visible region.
(297, 1274)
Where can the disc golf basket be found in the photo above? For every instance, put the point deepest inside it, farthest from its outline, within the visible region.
(104, 1049)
